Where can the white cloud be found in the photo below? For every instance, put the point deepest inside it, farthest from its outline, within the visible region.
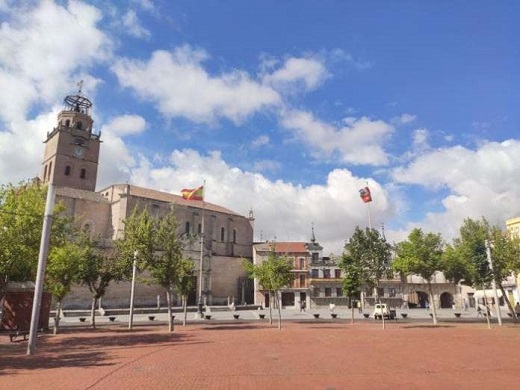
(480, 182)
(405, 119)
(21, 147)
(420, 139)
(41, 49)
(309, 72)
(125, 125)
(260, 141)
(132, 25)
(267, 166)
(359, 142)
(281, 209)
(180, 87)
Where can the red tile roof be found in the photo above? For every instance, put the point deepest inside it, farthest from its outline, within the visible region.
(283, 247)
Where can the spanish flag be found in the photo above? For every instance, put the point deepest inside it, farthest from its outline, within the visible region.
(365, 195)
(193, 194)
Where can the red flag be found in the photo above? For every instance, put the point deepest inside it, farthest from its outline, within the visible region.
(365, 195)
(193, 194)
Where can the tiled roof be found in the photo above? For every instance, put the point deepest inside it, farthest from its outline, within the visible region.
(171, 198)
(80, 194)
(282, 247)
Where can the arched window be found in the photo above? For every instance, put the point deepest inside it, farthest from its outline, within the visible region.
(234, 235)
(79, 125)
(83, 173)
(67, 122)
(49, 172)
(67, 170)
(222, 234)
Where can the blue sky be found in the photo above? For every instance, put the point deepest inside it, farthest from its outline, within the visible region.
(288, 107)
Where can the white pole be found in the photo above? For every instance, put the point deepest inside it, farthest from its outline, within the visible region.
(132, 291)
(199, 303)
(40, 274)
(493, 283)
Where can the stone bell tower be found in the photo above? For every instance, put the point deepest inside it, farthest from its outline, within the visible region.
(72, 149)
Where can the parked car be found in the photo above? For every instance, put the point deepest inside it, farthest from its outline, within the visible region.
(381, 310)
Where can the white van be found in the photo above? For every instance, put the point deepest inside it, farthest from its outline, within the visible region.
(381, 310)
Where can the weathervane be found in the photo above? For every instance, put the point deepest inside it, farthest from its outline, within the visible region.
(80, 86)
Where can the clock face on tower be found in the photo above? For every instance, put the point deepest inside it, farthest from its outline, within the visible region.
(79, 152)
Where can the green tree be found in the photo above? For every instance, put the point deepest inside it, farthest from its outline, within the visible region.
(272, 275)
(352, 279)
(138, 236)
(455, 268)
(505, 253)
(185, 283)
(62, 272)
(97, 270)
(165, 265)
(368, 254)
(421, 254)
(21, 219)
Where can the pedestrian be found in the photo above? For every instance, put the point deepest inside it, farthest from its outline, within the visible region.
(302, 306)
(360, 309)
(331, 307)
(479, 311)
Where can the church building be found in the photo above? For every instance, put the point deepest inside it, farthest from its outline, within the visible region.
(71, 161)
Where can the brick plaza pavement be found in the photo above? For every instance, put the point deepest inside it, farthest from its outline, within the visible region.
(253, 355)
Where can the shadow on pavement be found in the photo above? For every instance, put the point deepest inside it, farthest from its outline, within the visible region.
(11, 365)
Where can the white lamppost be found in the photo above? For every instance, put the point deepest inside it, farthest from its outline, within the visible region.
(42, 261)
(493, 282)
(132, 290)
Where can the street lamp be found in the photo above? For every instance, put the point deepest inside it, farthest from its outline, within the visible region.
(132, 290)
(493, 282)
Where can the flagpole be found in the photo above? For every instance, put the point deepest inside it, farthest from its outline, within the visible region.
(199, 304)
(369, 218)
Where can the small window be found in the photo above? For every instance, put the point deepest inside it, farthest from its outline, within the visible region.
(314, 273)
(337, 273)
(391, 292)
(315, 256)
(328, 292)
(67, 123)
(339, 292)
(67, 170)
(302, 280)
(83, 173)
(187, 228)
(302, 263)
(79, 125)
(222, 234)
(199, 228)
(50, 171)
(235, 235)
(326, 273)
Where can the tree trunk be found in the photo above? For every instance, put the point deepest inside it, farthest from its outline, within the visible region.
(57, 317)
(184, 309)
(352, 314)
(169, 303)
(93, 312)
(509, 306)
(432, 303)
(270, 308)
(279, 300)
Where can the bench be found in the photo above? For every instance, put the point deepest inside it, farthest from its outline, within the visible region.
(14, 334)
(18, 333)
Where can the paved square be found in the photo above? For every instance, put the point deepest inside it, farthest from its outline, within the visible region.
(242, 355)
